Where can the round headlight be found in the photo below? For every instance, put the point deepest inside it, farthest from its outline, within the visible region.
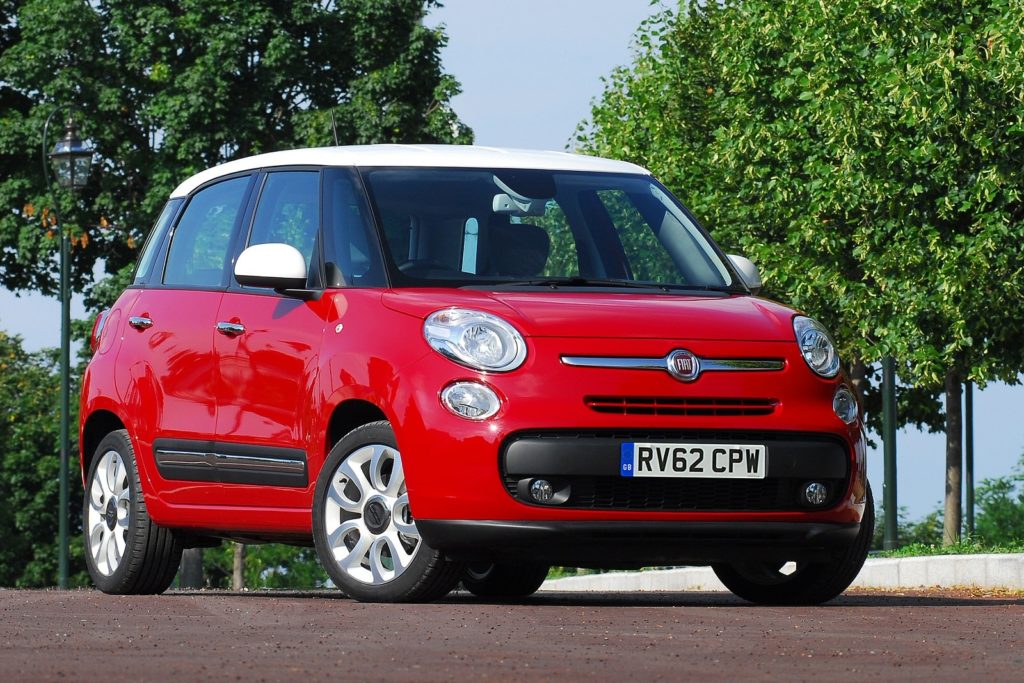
(816, 346)
(475, 339)
(845, 405)
(471, 400)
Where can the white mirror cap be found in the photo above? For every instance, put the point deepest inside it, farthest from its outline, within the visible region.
(276, 265)
(748, 271)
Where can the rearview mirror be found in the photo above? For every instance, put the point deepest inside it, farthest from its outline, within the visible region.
(748, 272)
(274, 265)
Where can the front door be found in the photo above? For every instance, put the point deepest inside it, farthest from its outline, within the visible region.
(267, 349)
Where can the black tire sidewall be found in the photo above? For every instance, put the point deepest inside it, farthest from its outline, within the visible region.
(814, 584)
(118, 581)
(506, 580)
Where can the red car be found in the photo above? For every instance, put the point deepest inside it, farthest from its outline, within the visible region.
(441, 364)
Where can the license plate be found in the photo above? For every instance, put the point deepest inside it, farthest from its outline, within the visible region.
(694, 460)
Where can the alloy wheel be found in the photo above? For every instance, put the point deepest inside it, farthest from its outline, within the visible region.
(370, 530)
(107, 518)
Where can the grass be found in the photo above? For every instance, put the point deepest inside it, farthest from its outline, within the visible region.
(964, 547)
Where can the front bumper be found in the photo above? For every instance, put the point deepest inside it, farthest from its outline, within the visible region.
(626, 545)
(458, 469)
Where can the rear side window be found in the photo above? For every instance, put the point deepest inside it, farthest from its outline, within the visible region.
(199, 245)
(153, 242)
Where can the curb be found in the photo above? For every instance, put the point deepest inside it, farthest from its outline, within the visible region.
(996, 571)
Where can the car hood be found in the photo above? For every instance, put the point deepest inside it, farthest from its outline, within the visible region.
(613, 315)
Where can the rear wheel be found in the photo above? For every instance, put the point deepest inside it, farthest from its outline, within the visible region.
(363, 529)
(800, 583)
(504, 580)
(125, 552)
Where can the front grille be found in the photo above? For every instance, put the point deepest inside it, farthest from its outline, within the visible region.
(718, 495)
(679, 405)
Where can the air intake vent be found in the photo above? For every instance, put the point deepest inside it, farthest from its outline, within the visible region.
(679, 405)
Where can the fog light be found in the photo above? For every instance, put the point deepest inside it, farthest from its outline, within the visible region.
(845, 405)
(471, 400)
(815, 493)
(542, 490)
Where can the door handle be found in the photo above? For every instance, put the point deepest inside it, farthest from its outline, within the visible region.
(140, 322)
(230, 329)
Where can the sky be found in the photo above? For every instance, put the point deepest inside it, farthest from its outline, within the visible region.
(529, 70)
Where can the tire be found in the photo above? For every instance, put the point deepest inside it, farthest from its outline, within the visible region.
(504, 580)
(125, 552)
(811, 583)
(363, 530)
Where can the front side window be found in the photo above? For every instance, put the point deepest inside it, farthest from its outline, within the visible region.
(480, 228)
(351, 253)
(288, 212)
(199, 245)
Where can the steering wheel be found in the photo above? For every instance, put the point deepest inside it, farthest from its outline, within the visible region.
(422, 267)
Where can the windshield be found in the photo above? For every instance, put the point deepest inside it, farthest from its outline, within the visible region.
(511, 228)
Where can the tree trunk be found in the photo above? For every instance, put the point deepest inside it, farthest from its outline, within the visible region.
(858, 378)
(238, 568)
(191, 573)
(954, 459)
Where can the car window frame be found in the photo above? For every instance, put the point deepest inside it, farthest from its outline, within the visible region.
(160, 244)
(244, 210)
(315, 275)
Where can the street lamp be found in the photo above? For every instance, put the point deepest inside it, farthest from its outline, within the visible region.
(71, 159)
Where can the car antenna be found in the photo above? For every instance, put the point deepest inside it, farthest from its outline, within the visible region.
(334, 128)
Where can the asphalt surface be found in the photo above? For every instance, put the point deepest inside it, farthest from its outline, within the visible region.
(282, 636)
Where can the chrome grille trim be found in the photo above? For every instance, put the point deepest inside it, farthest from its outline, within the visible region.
(662, 363)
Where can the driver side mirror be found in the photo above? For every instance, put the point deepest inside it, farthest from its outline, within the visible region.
(749, 273)
(274, 265)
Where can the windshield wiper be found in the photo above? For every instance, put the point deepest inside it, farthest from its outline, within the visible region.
(576, 281)
(579, 282)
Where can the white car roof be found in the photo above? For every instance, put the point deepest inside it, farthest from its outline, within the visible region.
(439, 156)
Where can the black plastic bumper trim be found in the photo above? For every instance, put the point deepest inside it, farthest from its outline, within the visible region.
(558, 455)
(230, 463)
(619, 544)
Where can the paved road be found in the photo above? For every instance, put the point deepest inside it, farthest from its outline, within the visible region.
(84, 635)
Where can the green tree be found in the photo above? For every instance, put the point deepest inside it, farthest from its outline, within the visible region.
(166, 88)
(273, 565)
(868, 155)
(29, 470)
(1000, 502)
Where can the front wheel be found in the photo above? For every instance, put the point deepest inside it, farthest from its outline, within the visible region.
(806, 583)
(125, 552)
(363, 528)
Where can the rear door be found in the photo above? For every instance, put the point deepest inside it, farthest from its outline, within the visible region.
(167, 352)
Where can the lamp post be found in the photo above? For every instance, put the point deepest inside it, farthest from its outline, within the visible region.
(71, 160)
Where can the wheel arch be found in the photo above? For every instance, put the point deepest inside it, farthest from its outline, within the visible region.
(97, 425)
(348, 415)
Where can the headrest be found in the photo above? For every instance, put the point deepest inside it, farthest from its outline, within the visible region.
(518, 249)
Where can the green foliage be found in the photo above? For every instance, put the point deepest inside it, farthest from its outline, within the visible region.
(1000, 502)
(29, 470)
(869, 156)
(963, 547)
(272, 565)
(924, 532)
(998, 524)
(165, 89)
